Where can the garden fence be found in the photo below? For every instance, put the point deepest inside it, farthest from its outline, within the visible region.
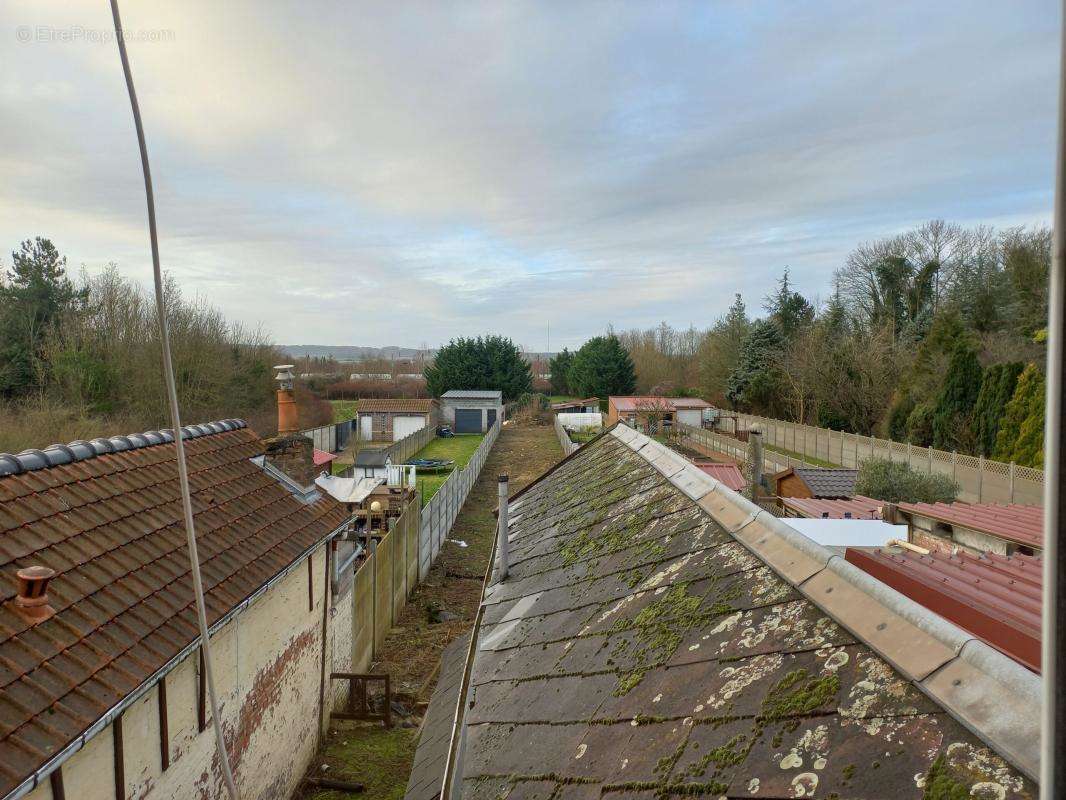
(710, 443)
(564, 438)
(979, 479)
(440, 512)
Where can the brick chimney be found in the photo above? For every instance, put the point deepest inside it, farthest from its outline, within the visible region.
(290, 451)
(31, 603)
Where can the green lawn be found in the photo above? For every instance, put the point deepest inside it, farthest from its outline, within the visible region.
(343, 409)
(459, 449)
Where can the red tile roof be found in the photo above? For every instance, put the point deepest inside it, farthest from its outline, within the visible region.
(110, 525)
(401, 405)
(993, 597)
(859, 507)
(1015, 523)
(729, 474)
(634, 403)
(322, 457)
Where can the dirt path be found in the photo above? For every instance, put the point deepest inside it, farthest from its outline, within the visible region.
(382, 759)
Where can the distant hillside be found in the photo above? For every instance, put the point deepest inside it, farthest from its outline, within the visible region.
(352, 352)
(359, 353)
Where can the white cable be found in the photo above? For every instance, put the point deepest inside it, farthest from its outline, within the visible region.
(175, 416)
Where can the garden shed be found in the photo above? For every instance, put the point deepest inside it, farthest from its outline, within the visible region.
(471, 410)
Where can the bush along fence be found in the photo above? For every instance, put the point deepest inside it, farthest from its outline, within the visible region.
(980, 480)
(568, 445)
(402, 558)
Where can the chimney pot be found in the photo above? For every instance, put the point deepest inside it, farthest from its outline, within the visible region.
(32, 600)
(288, 418)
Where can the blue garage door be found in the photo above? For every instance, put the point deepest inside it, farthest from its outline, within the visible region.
(468, 420)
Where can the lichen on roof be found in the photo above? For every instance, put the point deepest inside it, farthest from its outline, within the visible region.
(638, 650)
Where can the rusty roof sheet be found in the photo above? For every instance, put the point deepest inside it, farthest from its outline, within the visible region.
(1013, 522)
(994, 597)
(411, 405)
(111, 527)
(859, 507)
(729, 474)
(639, 648)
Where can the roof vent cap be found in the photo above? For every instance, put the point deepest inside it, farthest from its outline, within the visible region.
(32, 600)
(284, 376)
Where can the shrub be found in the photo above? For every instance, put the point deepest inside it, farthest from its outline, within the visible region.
(954, 406)
(898, 415)
(997, 388)
(895, 482)
(1021, 431)
(919, 426)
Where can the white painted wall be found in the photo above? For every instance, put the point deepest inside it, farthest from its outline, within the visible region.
(405, 426)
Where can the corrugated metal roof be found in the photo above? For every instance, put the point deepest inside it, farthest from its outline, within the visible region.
(480, 394)
(994, 597)
(588, 401)
(1015, 523)
(401, 405)
(859, 507)
(729, 474)
(635, 403)
(638, 648)
(111, 527)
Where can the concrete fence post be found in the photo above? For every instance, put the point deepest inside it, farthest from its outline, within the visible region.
(955, 466)
(929, 460)
(980, 478)
(1012, 481)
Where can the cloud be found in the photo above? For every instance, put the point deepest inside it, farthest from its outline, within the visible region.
(404, 173)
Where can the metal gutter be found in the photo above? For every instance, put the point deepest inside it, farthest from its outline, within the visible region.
(50, 766)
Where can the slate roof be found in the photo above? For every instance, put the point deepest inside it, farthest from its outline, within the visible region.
(411, 405)
(424, 782)
(992, 596)
(371, 457)
(1013, 522)
(640, 649)
(828, 482)
(111, 527)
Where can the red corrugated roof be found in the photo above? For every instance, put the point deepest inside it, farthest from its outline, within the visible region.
(729, 474)
(322, 457)
(993, 597)
(859, 507)
(111, 527)
(1016, 523)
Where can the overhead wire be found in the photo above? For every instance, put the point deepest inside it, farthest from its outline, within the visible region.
(175, 414)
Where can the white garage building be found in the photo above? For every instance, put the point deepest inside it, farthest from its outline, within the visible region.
(471, 410)
(391, 419)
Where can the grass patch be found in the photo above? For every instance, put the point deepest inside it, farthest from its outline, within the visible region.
(460, 449)
(818, 462)
(380, 759)
(343, 410)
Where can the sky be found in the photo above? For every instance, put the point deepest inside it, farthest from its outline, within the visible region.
(403, 173)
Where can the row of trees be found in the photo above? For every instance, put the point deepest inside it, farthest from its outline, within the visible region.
(81, 357)
(600, 368)
(934, 336)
